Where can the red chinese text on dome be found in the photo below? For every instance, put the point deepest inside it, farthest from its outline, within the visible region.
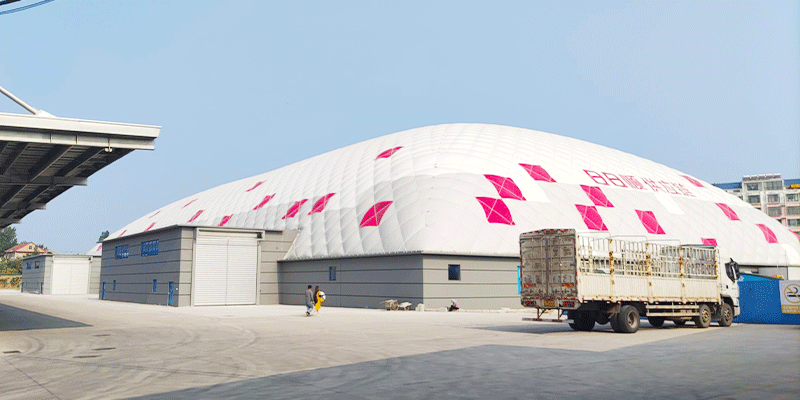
(374, 214)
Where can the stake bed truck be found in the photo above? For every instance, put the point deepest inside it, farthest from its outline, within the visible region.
(600, 280)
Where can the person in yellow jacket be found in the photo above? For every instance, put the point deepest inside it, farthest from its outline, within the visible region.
(320, 297)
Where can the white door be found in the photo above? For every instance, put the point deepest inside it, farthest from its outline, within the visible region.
(60, 278)
(78, 276)
(225, 270)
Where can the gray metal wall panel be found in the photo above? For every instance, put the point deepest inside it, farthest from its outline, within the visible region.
(486, 282)
(135, 274)
(360, 282)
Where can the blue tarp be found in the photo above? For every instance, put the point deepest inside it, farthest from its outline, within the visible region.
(760, 302)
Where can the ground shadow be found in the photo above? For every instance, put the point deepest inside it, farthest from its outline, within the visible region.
(17, 319)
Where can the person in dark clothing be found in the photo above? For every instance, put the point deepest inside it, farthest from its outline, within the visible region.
(310, 300)
(453, 305)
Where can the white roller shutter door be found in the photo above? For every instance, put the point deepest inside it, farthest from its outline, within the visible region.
(226, 269)
(59, 278)
(79, 275)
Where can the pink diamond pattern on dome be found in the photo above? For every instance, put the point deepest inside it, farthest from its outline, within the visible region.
(225, 220)
(294, 209)
(320, 204)
(597, 196)
(496, 211)
(796, 234)
(374, 214)
(768, 233)
(650, 222)
(388, 153)
(123, 232)
(255, 186)
(99, 247)
(694, 181)
(710, 241)
(591, 217)
(537, 172)
(728, 211)
(263, 202)
(197, 214)
(154, 214)
(187, 204)
(506, 187)
(150, 227)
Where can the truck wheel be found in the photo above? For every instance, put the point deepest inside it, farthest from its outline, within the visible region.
(601, 318)
(658, 322)
(679, 322)
(726, 315)
(627, 321)
(583, 321)
(704, 319)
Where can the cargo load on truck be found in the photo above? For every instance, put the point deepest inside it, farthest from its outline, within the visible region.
(600, 280)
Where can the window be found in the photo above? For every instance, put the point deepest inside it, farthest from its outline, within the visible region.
(36, 264)
(753, 187)
(115, 285)
(773, 198)
(155, 284)
(454, 272)
(793, 210)
(121, 252)
(792, 196)
(773, 185)
(150, 248)
(774, 211)
(794, 222)
(754, 199)
(28, 265)
(331, 273)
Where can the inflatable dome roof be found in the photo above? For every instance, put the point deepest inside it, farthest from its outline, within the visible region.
(472, 189)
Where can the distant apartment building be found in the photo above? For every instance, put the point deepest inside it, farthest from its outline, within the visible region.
(23, 250)
(778, 197)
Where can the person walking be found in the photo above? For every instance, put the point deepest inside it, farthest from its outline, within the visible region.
(320, 297)
(310, 302)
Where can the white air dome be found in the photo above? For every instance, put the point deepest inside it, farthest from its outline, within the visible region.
(472, 189)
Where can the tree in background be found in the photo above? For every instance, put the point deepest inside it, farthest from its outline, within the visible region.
(8, 238)
(103, 236)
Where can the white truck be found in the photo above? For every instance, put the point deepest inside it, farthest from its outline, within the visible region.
(597, 280)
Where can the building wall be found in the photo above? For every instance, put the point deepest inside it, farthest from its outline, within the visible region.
(94, 274)
(134, 275)
(776, 197)
(273, 248)
(362, 282)
(486, 282)
(36, 280)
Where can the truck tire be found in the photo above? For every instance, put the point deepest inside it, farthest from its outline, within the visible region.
(583, 321)
(601, 318)
(627, 320)
(726, 315)
(679, 322)
(657, 322)
(704, 319)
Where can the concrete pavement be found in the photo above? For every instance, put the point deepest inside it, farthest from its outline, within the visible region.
(71, 347)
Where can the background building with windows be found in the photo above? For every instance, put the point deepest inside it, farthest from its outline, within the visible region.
(777, 197)
(425, 215)
(60, 274)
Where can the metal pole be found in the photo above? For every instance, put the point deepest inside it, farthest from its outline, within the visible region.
(17, 100)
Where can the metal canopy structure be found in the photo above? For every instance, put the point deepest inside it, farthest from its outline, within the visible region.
(41, 156)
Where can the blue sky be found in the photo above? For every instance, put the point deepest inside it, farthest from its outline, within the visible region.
(241, 88)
